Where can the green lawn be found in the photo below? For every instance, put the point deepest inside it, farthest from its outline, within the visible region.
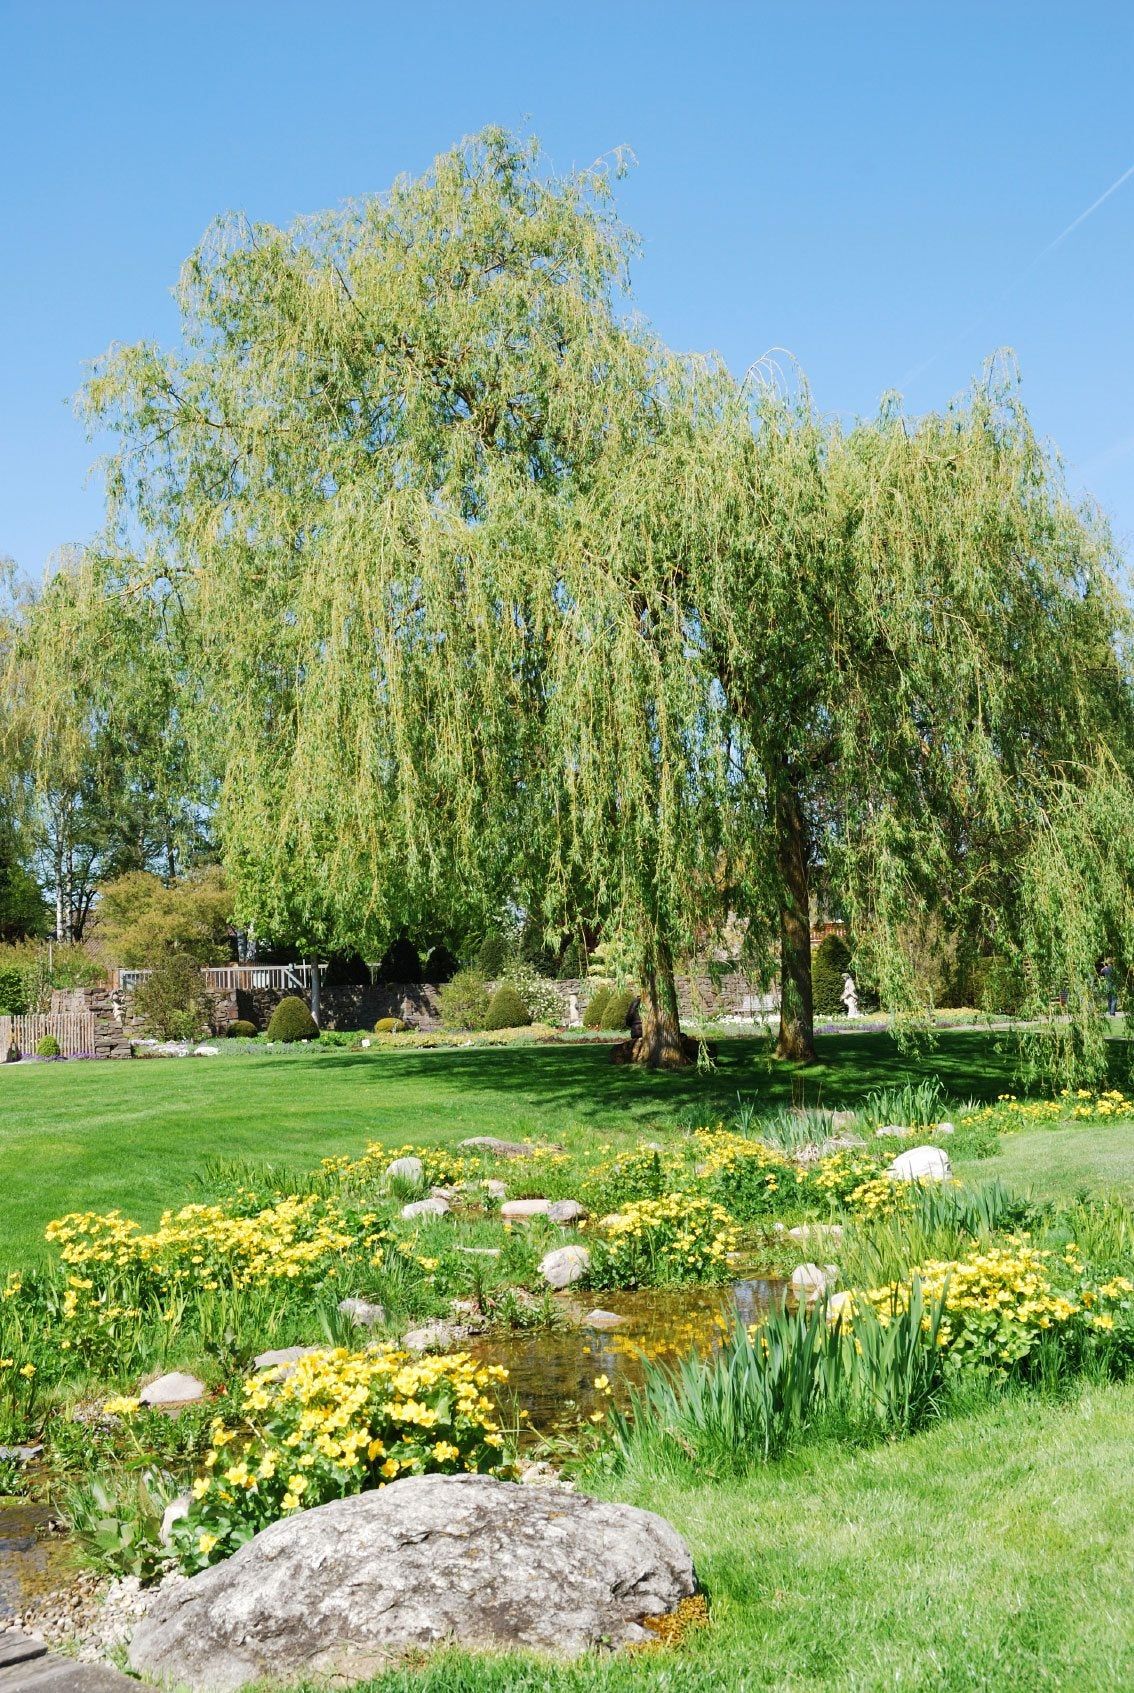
(993, 1554)
(1063, 1162)
(134, 1135)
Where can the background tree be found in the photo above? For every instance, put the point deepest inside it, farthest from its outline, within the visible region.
(95, 724)
(141, 918)
(926, 654)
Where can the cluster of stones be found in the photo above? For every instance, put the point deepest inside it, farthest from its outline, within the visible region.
(560, 1268)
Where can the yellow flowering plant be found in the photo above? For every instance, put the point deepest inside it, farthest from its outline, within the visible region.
(333, 1424)
(832, 1180)
(678, 1237)
(1001, 1302)
(751, 1179)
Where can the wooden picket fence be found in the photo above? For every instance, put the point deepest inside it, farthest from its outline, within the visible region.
(74, 1030)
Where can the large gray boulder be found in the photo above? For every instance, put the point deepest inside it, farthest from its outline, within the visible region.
(346, 1588)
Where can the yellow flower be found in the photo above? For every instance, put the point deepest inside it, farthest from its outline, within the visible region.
(120, 1407)
(205, 1544)
(602, 1384)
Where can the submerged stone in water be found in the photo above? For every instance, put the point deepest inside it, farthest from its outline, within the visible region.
(604, 1320)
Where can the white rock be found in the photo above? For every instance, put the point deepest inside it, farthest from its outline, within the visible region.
(407, 1169)
(566, 1211)
(173, 1513)
(565, 1265)
(943, 1129)
(808, 1281)
(839, 1305)
(434, 1337)
(363, 1312)
(431, 1207)
(604, 1320)
(494, 1189)
(177, 1388)
(921, 1164)
(206, 1051)
(347, 1589)
(519, 1210)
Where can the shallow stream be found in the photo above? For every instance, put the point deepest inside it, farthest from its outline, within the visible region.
(552, 1371)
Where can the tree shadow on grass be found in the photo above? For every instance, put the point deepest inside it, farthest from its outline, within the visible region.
(578, 1079)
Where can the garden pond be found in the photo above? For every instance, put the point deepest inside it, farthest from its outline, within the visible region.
(552, 1371)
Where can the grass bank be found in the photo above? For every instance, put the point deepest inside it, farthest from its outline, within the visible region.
(991, 1554)
(78, 1136)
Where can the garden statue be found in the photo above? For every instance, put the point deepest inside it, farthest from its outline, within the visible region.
(574, 1017)
(849, 996)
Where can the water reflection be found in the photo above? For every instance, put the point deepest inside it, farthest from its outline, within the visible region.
(29, 1563)
(551, 1372)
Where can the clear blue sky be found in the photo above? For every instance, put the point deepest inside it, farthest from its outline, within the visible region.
(866, 184)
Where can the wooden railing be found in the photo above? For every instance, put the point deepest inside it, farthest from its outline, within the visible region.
(74, 1030)
(224, 978)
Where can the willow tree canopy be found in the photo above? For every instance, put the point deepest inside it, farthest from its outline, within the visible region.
(926, 658)
(373, 470)
(489, 592)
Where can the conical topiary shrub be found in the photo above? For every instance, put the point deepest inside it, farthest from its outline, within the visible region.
(507, 1010)
(291, 1021)
(616, 1012)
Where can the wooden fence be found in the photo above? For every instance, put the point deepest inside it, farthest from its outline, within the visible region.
(74, 1030)
(223, 978)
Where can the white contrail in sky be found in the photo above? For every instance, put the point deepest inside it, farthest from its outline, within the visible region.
(912, 375)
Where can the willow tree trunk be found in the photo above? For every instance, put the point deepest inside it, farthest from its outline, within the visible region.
(797, 1025)
(661, 1045)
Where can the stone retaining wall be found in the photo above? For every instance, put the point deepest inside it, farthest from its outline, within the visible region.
(360, 1007)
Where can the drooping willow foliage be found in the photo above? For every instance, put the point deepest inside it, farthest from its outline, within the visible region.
(490, 593)
(926, 658)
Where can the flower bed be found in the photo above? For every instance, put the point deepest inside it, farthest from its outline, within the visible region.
(337, 1423)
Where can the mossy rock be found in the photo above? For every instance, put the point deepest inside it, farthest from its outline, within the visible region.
(507, 1010)
(390, 1026)
(242, 1029)
(292, 1021)
(596, 1005)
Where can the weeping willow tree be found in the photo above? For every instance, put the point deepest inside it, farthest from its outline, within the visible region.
(926, 658)
(93, 691)
(377, 472)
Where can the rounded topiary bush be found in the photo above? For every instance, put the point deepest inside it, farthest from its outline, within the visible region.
(596, 1005)
(390, 1026)
(830, 967)
(291, 1021)
(506, 1009)
(242, 1029)
(47, 1047)
(616, 1013)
